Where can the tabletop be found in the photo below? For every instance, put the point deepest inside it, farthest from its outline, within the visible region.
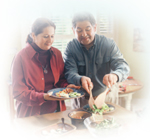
(131, 85)
(29, 125)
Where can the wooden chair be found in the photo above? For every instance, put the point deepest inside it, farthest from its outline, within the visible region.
(11, 102)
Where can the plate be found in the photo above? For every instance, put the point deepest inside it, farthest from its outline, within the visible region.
(54, 91)
(86, 107)
(54, 130)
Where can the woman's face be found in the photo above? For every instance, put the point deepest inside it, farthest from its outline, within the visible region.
(45, 39)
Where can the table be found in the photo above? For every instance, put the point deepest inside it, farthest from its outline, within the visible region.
(27, 126)
(132, 85)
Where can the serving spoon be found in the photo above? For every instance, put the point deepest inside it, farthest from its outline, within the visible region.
(91, 99)
(100, 100)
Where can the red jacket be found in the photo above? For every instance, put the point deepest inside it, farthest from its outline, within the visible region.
(28, 80)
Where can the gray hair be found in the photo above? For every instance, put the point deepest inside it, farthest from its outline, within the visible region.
(84, 16)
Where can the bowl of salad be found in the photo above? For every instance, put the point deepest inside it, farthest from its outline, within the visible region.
(107, 127)
(106, 108)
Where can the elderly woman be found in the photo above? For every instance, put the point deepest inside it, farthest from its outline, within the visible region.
(36, 69)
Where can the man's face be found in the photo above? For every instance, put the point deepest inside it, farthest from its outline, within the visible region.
(85, 32)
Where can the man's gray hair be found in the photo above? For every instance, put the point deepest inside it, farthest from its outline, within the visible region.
(84, 16)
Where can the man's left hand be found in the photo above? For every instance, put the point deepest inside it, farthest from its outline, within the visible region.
(110, 79)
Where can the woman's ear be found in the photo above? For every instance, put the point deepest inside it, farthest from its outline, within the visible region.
(33, 36)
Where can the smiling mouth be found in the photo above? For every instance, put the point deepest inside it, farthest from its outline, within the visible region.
(86, 38)
(48, 44)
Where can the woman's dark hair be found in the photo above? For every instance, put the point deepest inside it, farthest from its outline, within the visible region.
(38, 26)
(84, 16)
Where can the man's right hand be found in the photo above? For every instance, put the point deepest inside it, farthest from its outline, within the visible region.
(86, 83)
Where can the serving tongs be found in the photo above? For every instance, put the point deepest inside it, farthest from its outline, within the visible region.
(100, 100)
(91, 99)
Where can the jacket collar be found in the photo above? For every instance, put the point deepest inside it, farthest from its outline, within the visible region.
(31, 52)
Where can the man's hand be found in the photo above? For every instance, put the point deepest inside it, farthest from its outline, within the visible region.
(110, 79)
(73, 86)
(86, 83)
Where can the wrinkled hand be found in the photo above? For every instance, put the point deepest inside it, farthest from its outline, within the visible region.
(86, 83)
(110, 79)
(73, 86)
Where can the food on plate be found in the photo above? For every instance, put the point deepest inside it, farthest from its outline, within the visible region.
(105, 108)
(68, 90)
(62, 94)
(74, 94)
(67, 93)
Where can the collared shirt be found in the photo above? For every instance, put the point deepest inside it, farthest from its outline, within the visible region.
(89, 54)
(28, 80)
(102, 58)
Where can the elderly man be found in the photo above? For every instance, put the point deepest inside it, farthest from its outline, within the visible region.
(92, 60)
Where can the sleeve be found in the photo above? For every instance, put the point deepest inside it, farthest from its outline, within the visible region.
(21, 91)
(118, 64)
(71, 69)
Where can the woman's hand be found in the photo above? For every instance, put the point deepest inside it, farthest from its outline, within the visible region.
(48, 97)
(73, 86)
